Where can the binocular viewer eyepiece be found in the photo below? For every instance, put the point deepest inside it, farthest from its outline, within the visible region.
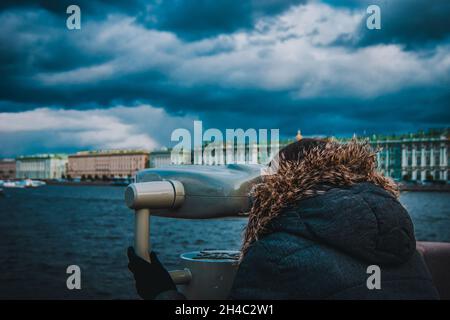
(194, 191)
(167, 194)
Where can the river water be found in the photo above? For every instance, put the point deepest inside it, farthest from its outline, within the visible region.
(45, 230)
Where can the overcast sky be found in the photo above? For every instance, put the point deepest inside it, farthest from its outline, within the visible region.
(139, 69)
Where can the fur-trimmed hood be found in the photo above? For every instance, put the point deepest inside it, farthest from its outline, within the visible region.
(334, 165)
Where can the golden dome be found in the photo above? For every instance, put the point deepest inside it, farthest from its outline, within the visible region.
(299, 135)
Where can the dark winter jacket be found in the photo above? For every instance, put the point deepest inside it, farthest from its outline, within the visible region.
(321, 248)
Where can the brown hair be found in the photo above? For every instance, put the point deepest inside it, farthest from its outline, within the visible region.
(296, 151)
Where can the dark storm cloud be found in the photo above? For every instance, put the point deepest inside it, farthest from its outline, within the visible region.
(36, 41)
(41, 44)
(188, 19)
(202, 18)
(412, 23)
(91, 7)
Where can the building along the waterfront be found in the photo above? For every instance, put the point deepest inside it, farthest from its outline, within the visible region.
(41, 166)
(226, 154)
(410, 157)
(107, 164)
(160, 158)
(7, 169)
(413, 158)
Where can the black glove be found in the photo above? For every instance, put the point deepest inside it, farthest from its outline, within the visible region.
(151, 278)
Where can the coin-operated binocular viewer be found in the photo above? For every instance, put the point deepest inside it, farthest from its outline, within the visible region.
(193, 192)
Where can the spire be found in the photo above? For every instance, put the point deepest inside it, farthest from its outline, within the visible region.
(299, 136)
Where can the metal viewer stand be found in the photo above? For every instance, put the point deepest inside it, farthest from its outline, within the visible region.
(193, 192)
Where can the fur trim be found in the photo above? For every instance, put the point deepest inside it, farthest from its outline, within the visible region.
(336, 164)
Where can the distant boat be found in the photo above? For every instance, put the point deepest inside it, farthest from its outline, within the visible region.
(27, 183)
(13, 184)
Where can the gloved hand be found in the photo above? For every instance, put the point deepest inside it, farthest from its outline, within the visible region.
(151, 278)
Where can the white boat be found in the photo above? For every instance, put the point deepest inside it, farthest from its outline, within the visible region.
(13, 184)
(29, 183)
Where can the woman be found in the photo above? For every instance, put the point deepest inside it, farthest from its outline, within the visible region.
(316, 226)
